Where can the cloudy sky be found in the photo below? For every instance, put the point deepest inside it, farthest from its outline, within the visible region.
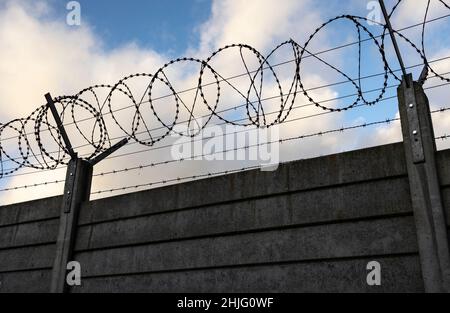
(40, 52)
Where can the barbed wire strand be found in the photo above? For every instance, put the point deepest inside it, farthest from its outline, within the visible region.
(288, 121)
(211, 174)
(100, 140)
(276, 65)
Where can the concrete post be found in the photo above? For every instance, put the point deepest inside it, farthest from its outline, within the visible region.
(420, 149)
(76, 190)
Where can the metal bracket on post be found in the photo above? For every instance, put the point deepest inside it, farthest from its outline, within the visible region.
(415, 131)
(424, 74)
(420, 149)
(77, 190)
(60, 126)
(426, 199)
(108, 152)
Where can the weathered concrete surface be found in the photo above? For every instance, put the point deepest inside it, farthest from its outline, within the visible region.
(30, 233)
(32, 211)
(313, 225)
(27, 281)
(27, 245)
(401, 274)
(334, 170)
(332, 241)
(443, 164)
(33, 257)
(285, 210)
(446, 202)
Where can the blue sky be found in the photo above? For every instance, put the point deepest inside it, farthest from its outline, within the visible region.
(171, 27)
(168, 26)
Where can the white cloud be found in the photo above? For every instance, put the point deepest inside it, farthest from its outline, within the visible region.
(257, 23)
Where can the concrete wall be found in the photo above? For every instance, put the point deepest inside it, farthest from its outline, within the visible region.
(28, 233)
(443, 160)
(312, 225)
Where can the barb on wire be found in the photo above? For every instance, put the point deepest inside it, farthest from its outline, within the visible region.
(287, 121)
(443, 137)
(151, 121)
(281, 141)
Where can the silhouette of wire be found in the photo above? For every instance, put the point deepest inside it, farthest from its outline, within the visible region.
(270, 98)
(287, 121)
(211, 174)
(443, 137)
(321, 133)
(139, 127)
(251, 72)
